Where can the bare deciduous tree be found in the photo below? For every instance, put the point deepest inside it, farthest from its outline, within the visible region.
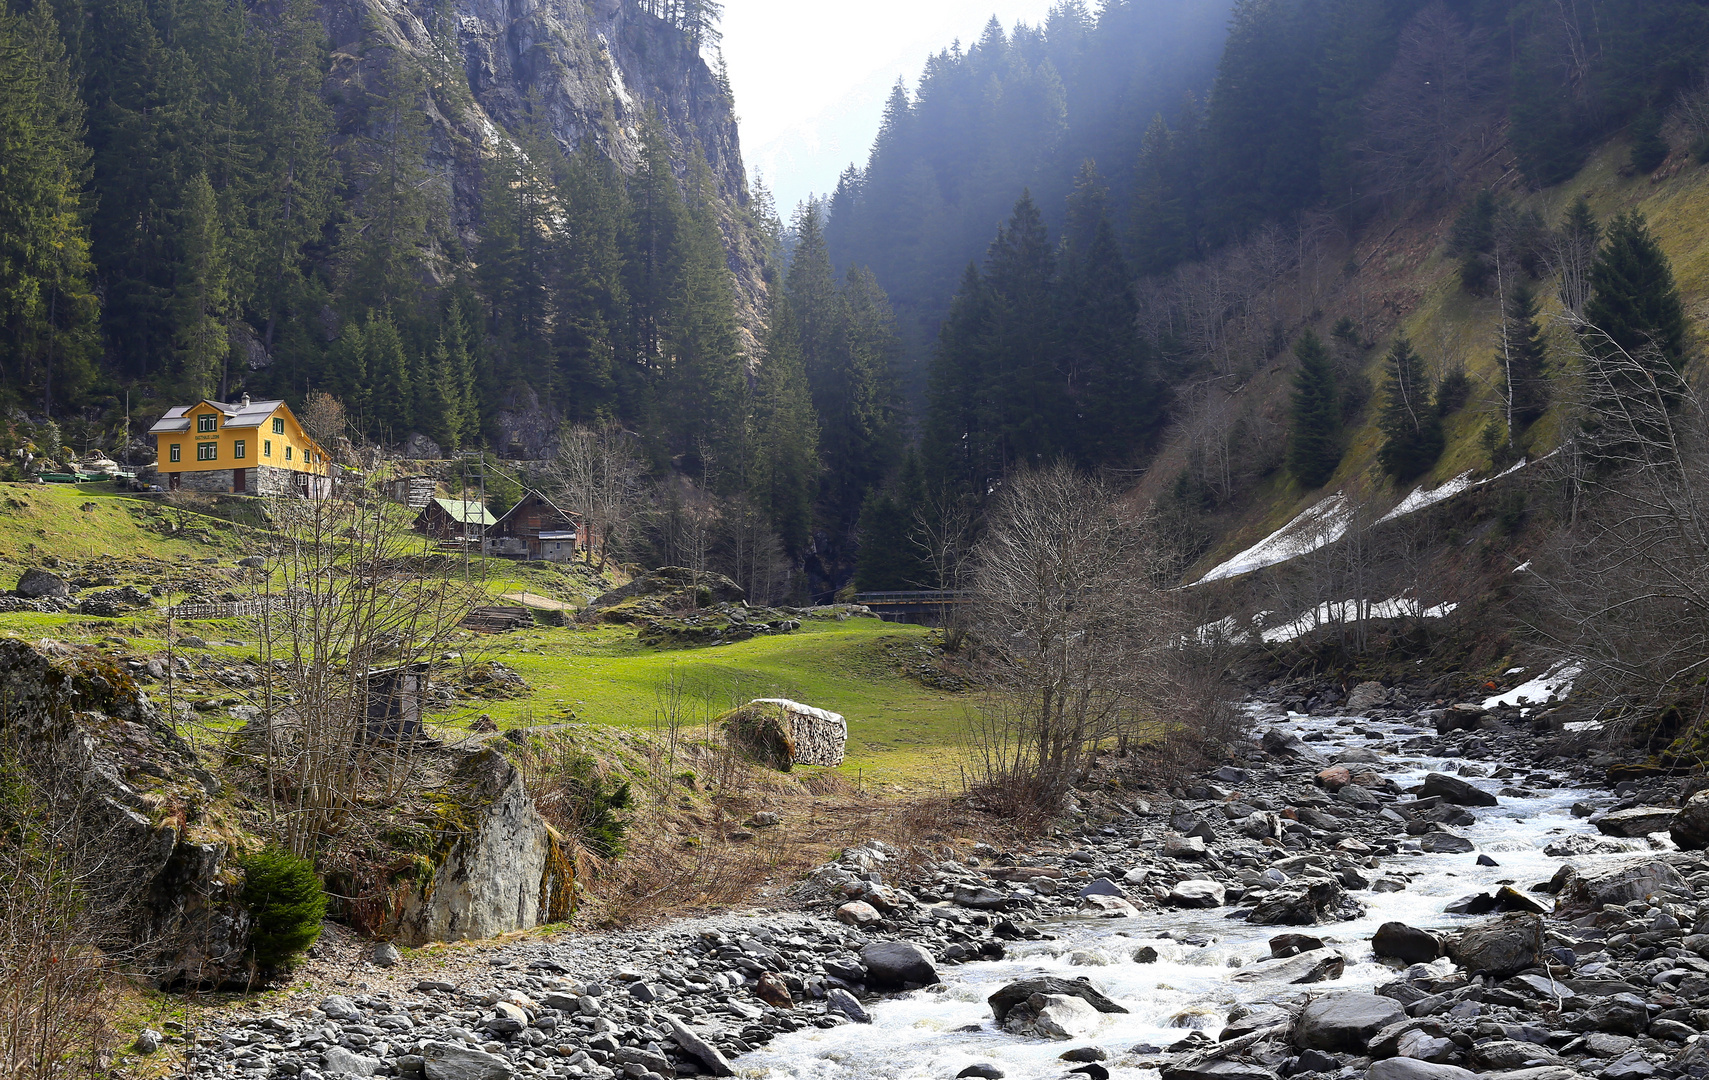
(598, 475)
(1081, 644)
(1426, 116)
(348, 591)
(1624, 588)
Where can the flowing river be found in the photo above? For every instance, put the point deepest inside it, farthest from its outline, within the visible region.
(934, 1034)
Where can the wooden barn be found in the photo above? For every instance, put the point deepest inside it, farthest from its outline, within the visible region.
(454, 519)
(535, 528)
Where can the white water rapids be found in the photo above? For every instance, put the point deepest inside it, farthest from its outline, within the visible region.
(933, 1034)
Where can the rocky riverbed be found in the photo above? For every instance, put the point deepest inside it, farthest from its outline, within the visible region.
(1403, 894)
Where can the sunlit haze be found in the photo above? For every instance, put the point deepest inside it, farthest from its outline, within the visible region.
(811, 76)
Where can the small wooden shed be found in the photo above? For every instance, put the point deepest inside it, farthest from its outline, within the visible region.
(454, 519)
(535, 528)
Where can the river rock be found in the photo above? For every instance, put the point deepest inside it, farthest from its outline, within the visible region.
(1286, 744)
(839, 1000)
(1500, 947)
(1446, 843)
(694, 1046)
(982, 898)
(1063, 1016)
(1344, 1022)
(1403, 942)
(1286, 945)
(899, 965)
(771, 989)
(1318, 965)
(1365, 697)
(1404, 1068)
(1637, 822)
(1306, 904)
(1106, 907)
(1453, 789)
(449, 1061)
(1690, 827)
(1019, 991)
(1334, 778)
(1198, 893)
(858, 913)
(1184, 847)
(1104, 887)
(337, 1061)
(1622, 884)
(1219, 1069)
(1617, 1014)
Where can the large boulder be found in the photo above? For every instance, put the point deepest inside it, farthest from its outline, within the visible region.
(1406, 1068)
(1589, 890)
(502, 868)
(668, 589)
(452, 1061)
(1217, 1069)
(1455, 790)
(1063, 1016)
(1500, 947)
(1287, 744)
(899, 965)
(1017, 992)
(1318, 965)
(1690, 827)
(1198, 893)
(1344, 1022)
(38, 584)
(1399, 941)
(1306, 903)
(1636, 822)
(1365, 697)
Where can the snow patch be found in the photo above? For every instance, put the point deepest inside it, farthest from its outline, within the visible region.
(1557, 682)
(1319, 525)
(1420, 498)
(1330, 613)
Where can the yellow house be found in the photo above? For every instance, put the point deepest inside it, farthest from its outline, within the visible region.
(246, 448)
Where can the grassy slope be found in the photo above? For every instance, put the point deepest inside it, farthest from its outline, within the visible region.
(899, 729)
(1406, 267)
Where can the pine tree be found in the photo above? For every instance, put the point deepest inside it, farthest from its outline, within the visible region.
(1103, 360)
(1649, 148)
(1314, 428)
(1634, 307)
(48, 308)
(1523, 360)
(954, 439)
(785, 432)
(200, 296)
(1410, 422)
(392, 403)
(381, 245)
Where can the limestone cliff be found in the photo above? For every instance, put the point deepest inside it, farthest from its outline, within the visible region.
(595, 68)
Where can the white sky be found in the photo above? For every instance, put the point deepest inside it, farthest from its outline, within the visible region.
(811, 76)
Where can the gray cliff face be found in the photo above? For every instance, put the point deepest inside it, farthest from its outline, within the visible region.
(595, 68)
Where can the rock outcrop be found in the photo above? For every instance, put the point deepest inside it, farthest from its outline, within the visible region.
(502, 867)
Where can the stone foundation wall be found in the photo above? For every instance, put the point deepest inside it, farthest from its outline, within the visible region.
(258, 480)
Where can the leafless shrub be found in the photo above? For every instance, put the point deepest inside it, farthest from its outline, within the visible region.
(1623, 588)
(66, 899)
(1081, 646)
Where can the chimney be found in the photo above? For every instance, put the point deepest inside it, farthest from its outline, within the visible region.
(246, 401)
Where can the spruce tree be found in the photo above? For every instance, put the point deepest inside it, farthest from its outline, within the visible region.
(785, 431)
(1410, 422)
(1634, 307)
(200, 296)
(1314, 428)
(1523, 361)
(1649, 148)
(392, 401)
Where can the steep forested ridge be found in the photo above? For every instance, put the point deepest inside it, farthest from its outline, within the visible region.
(1010, 111)
(463, 224)
(1231, 206)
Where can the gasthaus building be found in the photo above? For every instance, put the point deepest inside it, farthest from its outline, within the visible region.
(243, 448)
